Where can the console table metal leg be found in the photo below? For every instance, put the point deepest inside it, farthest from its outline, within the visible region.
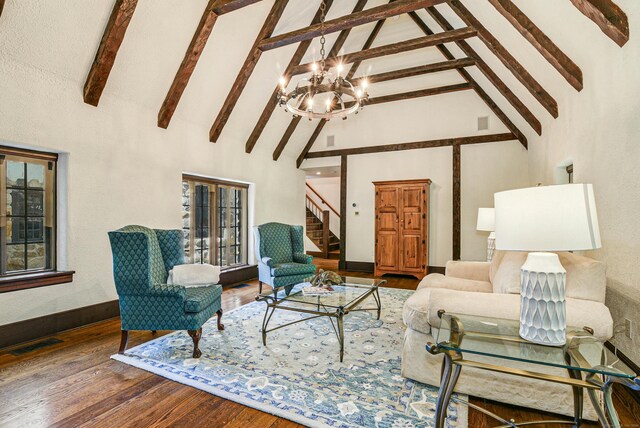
(450, 374)
(608, 405)
(376, 297)
(578, 394)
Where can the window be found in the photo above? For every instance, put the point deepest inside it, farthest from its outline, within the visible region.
(214, 216)
(28, 220)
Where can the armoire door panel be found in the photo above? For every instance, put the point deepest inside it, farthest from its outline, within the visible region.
(411, 253)
(388, 199)
(387, 251)
(387, 222)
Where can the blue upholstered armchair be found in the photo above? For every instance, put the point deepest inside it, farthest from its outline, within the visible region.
(142, 258)
(280, 255)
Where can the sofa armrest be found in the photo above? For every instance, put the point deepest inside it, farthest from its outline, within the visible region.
(436, 280)
(302, 258)
(267, 261)
(477, 271)
(580, 313)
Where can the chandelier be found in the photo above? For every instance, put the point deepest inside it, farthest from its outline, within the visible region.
(323, 95)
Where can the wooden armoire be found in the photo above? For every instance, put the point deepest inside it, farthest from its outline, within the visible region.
(402, 227)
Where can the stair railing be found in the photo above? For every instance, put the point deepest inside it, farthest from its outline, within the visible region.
(322, 215)
(324, 201)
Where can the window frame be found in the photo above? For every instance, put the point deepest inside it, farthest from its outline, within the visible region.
(32, 278)
(214, 220)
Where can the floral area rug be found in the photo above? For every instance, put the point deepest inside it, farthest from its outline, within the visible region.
(298, 375)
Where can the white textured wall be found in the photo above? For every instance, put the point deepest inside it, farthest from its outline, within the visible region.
(121, 168)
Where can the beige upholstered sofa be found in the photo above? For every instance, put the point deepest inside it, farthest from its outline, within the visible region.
(491, 289)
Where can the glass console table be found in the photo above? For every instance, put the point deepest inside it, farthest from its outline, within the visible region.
(346, 297)
(589, 364)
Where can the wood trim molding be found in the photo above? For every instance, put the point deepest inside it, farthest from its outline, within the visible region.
(457, 196)
(35, 328)
(478, 139)
(214, 181)
(34, 280)
(343, 210)
(377, 13)
(108, 49)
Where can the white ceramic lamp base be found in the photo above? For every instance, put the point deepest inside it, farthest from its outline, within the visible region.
(543, 316)
(491, 246)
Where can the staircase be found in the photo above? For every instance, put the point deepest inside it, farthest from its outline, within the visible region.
(318, 230)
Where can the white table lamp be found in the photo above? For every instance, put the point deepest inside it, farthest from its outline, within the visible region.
(542, 219)
(486, 223)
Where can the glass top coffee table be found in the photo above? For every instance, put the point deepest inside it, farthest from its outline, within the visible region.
(590, 366)
(346, 297)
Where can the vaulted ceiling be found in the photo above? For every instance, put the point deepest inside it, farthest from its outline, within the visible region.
(408, 48)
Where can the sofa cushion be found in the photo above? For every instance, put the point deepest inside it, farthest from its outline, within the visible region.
(586, 277)
(478, 271)
(286, 269)
(199, 298)
(437, 280)
(507, 275)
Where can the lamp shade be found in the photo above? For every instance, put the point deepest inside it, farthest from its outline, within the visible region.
(548, 218)
(486, 219)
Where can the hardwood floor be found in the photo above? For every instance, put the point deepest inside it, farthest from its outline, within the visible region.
(74, 384)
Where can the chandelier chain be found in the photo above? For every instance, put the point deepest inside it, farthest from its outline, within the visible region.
(323, 11)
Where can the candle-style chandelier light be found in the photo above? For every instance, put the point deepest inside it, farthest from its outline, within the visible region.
(323, 95)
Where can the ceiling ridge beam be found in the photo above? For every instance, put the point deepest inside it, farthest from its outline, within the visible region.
(352, 71)
(110, 43)
(520, 107)
(272, 102)
(418, 70)
(547, 48)
(1, 6)
(608, 16)
(395, 48)
(512, 64)
(348, 21)
(444, 142)
(212, 11)
(247, 69)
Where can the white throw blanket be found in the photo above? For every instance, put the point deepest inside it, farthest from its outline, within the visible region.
(194, 275)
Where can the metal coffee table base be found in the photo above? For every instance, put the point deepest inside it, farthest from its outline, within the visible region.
(319, 311)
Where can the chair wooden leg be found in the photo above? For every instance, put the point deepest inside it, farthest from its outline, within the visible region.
(124, 338)
(196, 335)
(259, 287)
(154, 331)
(220, 325)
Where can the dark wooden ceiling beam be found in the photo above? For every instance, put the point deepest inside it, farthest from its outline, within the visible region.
(349, 21)
(213, 10)
(522, 109)
(1, 6)
(549, 50)
(395, 48)
(247, 69)
(352, 71)
(387, 99)
(445, 142)
(608, 16)
(112, 38)
(225, 6)
(295, 61)
(418, 71)
(512, 64)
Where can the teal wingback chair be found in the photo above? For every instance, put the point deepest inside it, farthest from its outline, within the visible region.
(142, 258)
(280, 256)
